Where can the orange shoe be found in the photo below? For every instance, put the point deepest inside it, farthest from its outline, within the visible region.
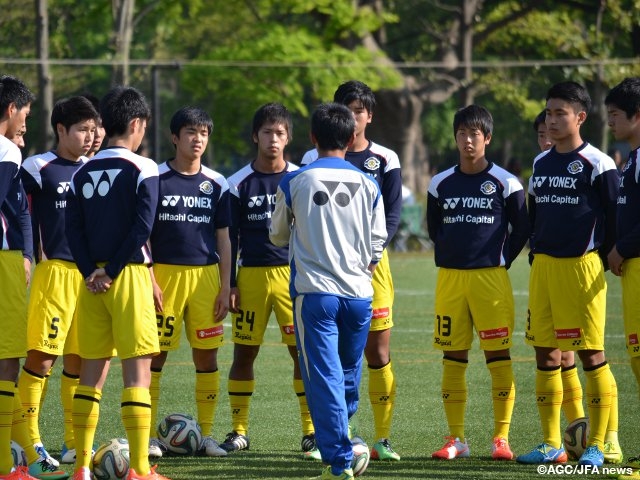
(18, 473)
(151, 476)
(82, 473)
(454, 448)
(500, 449)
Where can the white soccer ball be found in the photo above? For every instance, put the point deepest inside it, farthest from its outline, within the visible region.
(180, 433)
(111, 460)
(361, 456)
(576, 436)
(19, 457)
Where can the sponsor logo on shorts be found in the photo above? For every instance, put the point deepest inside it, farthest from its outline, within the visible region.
(633, 339)
(380, 313)
(288, 330)
(563, 333)
(443, 343)
(494, 333)
(210, 332)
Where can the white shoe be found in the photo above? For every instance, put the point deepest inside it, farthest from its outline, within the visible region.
(43, 453)
(156, 448)
(211, 448)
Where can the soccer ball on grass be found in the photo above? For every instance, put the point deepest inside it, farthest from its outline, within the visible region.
(111, 460)
(180, 433)
(576, 436)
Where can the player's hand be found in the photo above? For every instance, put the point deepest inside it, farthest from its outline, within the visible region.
(615, 260)
(98, 281)
(221, 307)
(234, 299)
(27, 270)
(157, 297)
(372, 267)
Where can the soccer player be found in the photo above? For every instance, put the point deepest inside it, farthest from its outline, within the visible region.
(192, 261)
(15, 105)
(98, 136)
(383, 165)
(110, 213)
(623, 111)
(573, 192)
(571, 388)
(477, 219)
(261, 284)
(56, 280)
(335, 242)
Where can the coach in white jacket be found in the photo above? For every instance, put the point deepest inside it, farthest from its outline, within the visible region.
(332, 216)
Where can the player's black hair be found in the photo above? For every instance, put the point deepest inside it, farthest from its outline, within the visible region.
(190, 117)
(13, 90)
(625, 96)
(70, 111)
(332, 126)
(473, 116)
(540, 118)
(121, 105)
(272, 113)
(355, 90)
(571, 92)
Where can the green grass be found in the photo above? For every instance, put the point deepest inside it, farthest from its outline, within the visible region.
(418, 424)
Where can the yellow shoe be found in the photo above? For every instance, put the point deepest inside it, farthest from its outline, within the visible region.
(612, 452)
(327, 474)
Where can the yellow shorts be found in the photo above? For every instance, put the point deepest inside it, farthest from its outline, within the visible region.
(382, 304)
(52, 305)
(631, 305)
(567, 303)
(263, 290)
(13, 305)
(480, 299)
(123, 317)
(189, 294)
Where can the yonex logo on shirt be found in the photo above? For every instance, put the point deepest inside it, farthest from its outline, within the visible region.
(258, 200)
(341, 198)
(451, 203)
(101, 180)
(170, 200)
(63, 187)
(538, 181)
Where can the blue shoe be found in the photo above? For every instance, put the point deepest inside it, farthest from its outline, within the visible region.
(592, 456)
(40, 450)
(543, 453)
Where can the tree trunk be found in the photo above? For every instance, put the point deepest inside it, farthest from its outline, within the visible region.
(45, 82)
(123, 33)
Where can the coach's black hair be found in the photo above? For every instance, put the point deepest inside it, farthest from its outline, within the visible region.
(121, 105)
(272, 113)
(571, 92)
(625, 96)
(355, 90)
(473, 116)
(13, 90)
(70, 111)
(190, 117)
(332, 126)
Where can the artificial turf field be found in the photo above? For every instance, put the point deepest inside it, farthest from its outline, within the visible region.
(418, 424)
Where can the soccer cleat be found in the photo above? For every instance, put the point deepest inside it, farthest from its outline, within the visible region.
(312, 455)
(382, 450)
(43, 453)
(82, 473)
(18, 473)
(346, 474)
(44, 468)
(543, 453)
(308, 442)
(592, 456)
(151, 476)
(210, 448)
(234, 442)
(612, 452)
(500, 449)
(453, 448)
(67, 455)
(156, 448)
